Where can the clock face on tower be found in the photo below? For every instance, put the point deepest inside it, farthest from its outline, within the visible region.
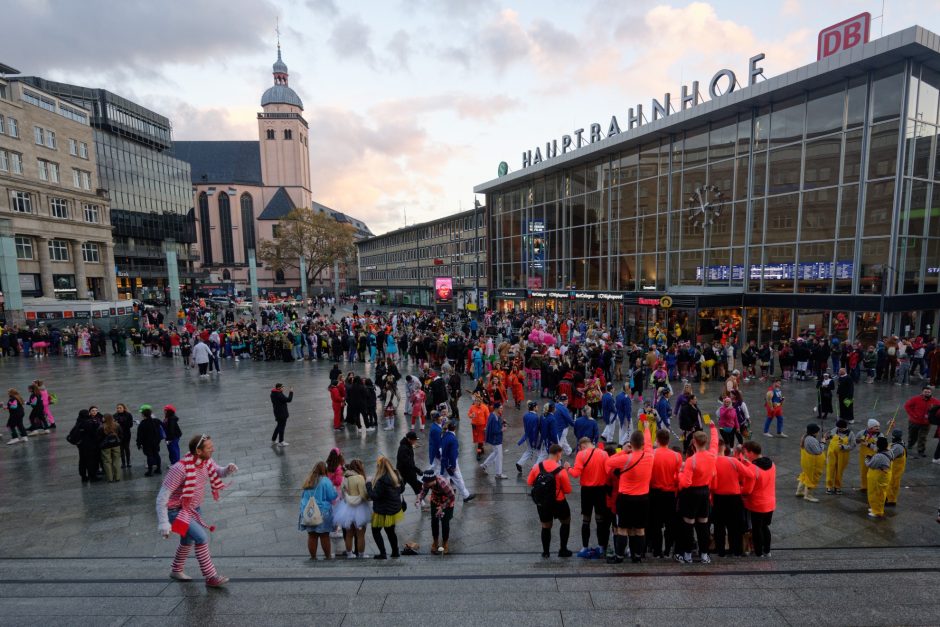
(705, 204)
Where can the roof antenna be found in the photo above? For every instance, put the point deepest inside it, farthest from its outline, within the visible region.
(277, 32)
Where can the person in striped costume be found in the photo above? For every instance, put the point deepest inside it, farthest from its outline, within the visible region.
(178, 507)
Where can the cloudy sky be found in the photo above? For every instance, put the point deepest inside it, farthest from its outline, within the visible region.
(413, 102)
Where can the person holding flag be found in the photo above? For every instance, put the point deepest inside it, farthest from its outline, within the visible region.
(179, 502)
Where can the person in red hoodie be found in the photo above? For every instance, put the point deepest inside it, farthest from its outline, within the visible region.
(694, 479)
(635, 467)
(336, 396)
(559, 508)
(590, 469)
(727, 506)
(664, 484)
(759, 493)
(918, 424)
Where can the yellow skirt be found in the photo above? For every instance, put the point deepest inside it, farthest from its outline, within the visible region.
(380, 521)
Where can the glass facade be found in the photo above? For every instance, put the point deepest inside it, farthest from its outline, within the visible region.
(150, 191)
(828, 192)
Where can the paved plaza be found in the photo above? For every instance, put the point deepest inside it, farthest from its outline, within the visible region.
(90, 554)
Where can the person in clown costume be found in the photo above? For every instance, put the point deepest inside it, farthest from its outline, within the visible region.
(879, 471)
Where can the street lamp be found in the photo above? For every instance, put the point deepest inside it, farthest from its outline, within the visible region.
(476, 246)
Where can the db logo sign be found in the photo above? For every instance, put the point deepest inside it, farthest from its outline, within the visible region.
(844, 35)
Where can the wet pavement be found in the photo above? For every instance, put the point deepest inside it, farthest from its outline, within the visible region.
(77, 554)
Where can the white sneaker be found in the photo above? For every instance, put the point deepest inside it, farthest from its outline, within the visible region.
(502, 477)
(935, 461)
(13, 441)
(282, 443)
(768, 435)
(180, 575)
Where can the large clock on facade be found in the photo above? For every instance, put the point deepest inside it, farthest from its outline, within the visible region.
(705, 204)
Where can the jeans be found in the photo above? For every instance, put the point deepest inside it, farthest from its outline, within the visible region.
(173, 450)
(196, 534)
(770, 420)
(904, 371)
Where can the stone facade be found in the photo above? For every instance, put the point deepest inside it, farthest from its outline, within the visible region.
(49, 191)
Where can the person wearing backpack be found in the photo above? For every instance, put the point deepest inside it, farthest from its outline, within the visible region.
(550, 484)
(319, 523)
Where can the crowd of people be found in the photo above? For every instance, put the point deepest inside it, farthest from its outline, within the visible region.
(661, 478)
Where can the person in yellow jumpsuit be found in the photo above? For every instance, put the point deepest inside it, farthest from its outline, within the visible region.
(812, 462)
(898, 463)
(866, 447)
(841, 442)
(879, 469)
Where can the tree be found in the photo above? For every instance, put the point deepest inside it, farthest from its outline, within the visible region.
(315, 236)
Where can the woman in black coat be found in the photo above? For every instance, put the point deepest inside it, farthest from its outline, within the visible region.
(84, 435)
(126, 421)
(356, 401)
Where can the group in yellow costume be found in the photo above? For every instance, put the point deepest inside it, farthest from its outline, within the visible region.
(812, 463)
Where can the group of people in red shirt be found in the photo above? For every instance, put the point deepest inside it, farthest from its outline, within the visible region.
(656, 501)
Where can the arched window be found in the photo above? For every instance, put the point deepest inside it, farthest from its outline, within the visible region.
(269, 133)
(248, 223)
(225, 229)
(279, 276)
(205, 230)
(226, 275)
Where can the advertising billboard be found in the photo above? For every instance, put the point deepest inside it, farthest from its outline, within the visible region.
(443, 290)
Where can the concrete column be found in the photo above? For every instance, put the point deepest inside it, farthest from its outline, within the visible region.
(45, 267)
(110, 282)
(78, 262)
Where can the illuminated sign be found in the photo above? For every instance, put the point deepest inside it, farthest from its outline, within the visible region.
(649, 302)
(443, 289)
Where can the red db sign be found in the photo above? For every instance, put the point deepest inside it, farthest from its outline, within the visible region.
(844, 35)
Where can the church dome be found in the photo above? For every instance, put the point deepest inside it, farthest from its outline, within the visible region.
(281, 94)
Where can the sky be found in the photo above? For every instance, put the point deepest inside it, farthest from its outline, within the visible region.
(413, 102)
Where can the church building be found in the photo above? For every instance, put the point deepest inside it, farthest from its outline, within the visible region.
(242, 189)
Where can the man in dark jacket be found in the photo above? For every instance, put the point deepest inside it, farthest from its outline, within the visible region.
(280, 401)
(405, 463)
(845, 390)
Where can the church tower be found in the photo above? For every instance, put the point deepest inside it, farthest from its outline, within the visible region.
(283, 136)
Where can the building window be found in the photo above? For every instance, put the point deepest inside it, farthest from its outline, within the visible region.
(59, 207)
(92, 213)
(269, 133)
(287, 133)
(53, 171)
(248, 223)
(90, 253)
(83, 150)
(2, 126)
(24, 248)
(58, 250)
(81, 179)
(278, 277)
(205, 229)
(13, 129)
(50, 139)
(43, 170)
(73, 147)
(4, 161)
(275, 230)
(21, 202)
(40, 135)
(48, 171)
(86, 180)
(16, 163)
(225, 229)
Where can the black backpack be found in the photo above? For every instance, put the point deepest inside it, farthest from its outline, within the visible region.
(933, 415)
(543, 490)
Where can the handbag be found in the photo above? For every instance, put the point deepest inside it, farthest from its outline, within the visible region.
(312, 515)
